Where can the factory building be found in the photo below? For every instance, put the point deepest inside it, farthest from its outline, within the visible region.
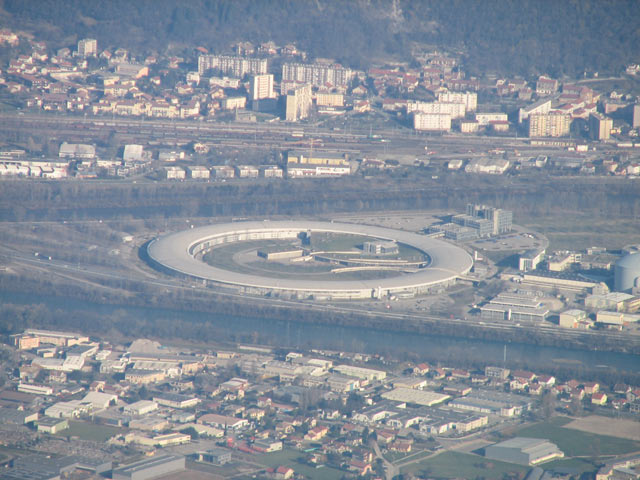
(572, 318)
(514, 307)
(492, 402)
(150, 468)
(523, 451)
(562, 281)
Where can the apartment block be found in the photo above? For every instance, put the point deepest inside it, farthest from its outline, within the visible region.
(232, 65)
(434, 122)
(317, 74)
(549, 125)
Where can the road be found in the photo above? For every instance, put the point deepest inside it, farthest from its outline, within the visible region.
(358, 141)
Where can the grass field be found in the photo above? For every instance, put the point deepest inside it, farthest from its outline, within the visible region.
(462, 465)
(578, 465)
(289, 458)
(332, 242)
(576, 443)
(89, 431)
(578, 231)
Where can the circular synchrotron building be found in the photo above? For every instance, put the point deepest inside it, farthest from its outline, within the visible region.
(181, 254)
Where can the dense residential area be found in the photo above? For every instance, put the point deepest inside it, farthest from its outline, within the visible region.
(256, 412)
(570, 127)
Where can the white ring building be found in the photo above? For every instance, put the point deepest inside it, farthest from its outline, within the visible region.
(181, 253)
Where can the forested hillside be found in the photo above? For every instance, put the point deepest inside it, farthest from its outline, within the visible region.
(504, 36)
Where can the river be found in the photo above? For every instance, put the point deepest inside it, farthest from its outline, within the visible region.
(419, 347)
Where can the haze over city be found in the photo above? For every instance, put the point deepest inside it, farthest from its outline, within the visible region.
(274, 239)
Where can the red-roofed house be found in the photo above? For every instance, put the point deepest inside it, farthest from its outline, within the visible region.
(599, 398)
(283, 473)
(591, 387)
(316, 433)
(361, 468)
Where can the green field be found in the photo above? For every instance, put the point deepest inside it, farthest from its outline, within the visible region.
(89, 431)
(336, 242)
(575, 443)
(577, 464)
(576, 230)
(289, 458)
(462, 465)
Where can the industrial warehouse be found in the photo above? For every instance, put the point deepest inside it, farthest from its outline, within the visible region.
(180, 253)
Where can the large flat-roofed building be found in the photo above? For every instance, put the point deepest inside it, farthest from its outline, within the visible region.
(493, 402)
(150, 468)
(571, 318)
(509, 306)
(452, 231)
(560, 280)
(297, 157)
(433, 122)
(175, 400)
(316, 164)
(361, 372)
(417, 397)
(317, 74)
(614, 301)
(482, 226)
(76, 150)
(523, 451)
(232, 65)
(298, 103)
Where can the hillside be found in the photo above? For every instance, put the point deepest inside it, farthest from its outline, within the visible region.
(503, 36)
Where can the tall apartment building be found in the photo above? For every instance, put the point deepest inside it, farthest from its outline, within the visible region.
(549, 125)
(262, 87)
(600, 126)
(232, 65)
(455, 110)
(635, 119)
(317, 74)
(432, 122)
(469, 99)
(88, 47)
(299, 101)
(502, 219)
